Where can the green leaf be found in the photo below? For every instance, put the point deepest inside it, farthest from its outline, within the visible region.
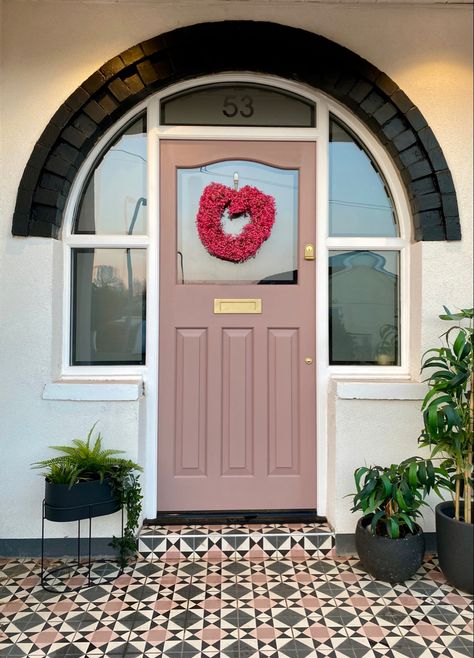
(387, 485)
(458, 380)
(422, 476)
(358, 474)
(375, 520)
(393, 528)
(430, 472)
(459, 343)
(413, 474)
(401, 500)
(464, 314)
(408, 521)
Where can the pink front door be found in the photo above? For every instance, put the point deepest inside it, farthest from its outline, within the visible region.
(237, 339)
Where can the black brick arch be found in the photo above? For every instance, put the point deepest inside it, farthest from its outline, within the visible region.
(207, 48)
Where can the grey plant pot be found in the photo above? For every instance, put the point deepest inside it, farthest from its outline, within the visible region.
(455, 540)
(386, 559)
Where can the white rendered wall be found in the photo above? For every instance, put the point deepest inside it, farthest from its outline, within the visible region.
(48, 49)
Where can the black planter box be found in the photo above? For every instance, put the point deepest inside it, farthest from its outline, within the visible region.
(82, 501)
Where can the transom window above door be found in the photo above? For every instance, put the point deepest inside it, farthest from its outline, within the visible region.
(238, 105)
(362, 247)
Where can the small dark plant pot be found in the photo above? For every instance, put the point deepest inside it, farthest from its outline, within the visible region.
(390, 560)
(83, 500)
(455, 540)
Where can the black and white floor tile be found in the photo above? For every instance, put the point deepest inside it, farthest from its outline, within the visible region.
(293, 607)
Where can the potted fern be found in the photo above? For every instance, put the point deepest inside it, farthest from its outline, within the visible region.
(390, 543)
(86, 480)
(448, 415)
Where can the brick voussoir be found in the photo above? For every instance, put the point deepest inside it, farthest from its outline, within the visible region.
(386, 84)
(404, 140)
(77, 99)
(361, 90)
(445, 182)
(112, 68)
(415, 118)
(437, 159)
(427, 202)
(94, 82)
(132, 55)
(119, 89)
(373, 102)
(43, 229)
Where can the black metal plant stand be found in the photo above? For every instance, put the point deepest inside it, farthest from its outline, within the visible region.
(69, 570)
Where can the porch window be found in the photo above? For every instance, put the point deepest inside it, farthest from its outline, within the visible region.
(108, 291)
(108, 306)
(364, 282)
(363, 314)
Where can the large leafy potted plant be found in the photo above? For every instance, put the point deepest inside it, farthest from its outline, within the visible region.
(87, 480)
(389, 542)
(448, 415)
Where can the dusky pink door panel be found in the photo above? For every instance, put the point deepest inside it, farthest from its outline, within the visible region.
(236, 398)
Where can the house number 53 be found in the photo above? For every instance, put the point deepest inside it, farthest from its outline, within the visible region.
(234, 105)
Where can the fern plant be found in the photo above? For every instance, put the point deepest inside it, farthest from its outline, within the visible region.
(87, 460)
(448, 407)
(84, 460)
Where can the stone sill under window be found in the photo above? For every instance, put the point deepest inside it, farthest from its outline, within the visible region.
(352, 390)
(93, 390)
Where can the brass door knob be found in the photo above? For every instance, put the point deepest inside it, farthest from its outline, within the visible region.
(308, 360)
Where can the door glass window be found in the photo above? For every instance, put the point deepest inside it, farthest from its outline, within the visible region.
(275, 259)
(364, 307)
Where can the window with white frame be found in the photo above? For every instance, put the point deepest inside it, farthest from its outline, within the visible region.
(362, 242)
(108, 271)
(364, 296)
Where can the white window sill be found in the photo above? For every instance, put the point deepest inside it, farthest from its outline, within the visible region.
(94, 390)
(380, 390)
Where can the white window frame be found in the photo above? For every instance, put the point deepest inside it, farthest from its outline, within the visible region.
(148, 373)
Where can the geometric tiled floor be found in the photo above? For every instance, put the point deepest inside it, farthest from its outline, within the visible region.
(238, 608)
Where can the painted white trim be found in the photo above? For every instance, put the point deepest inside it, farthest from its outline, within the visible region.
(322, 301)
(380, 391)
(148, 434)
(106, 241)
(96, 390)
(148, 423)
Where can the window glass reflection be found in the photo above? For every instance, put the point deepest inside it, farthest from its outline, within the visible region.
(108, 306)
(276, 260)
(364, 307)
(359, 201)
(114, 199)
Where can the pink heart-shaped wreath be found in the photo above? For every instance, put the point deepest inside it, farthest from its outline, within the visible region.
(235, 248)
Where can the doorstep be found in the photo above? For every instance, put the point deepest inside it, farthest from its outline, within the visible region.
(236, 541)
